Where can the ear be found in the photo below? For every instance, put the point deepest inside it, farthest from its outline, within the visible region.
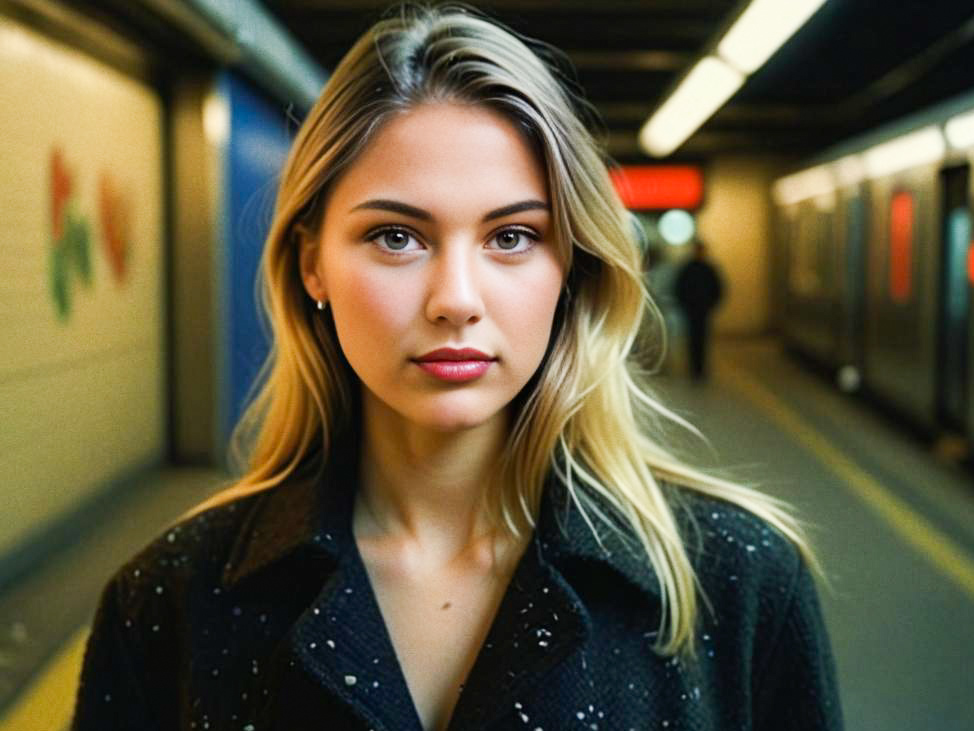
(308, 250)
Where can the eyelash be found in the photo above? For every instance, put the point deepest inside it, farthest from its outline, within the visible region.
(374, 235)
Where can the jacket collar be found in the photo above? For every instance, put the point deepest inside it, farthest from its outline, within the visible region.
(340, 642)
(311, 513)
(290, 518)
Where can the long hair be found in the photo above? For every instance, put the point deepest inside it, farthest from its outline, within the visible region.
(588, 417)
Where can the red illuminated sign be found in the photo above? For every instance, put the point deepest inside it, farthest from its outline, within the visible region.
(658, 187)
(900, 247)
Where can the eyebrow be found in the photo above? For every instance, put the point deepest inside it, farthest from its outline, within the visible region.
(381, 204)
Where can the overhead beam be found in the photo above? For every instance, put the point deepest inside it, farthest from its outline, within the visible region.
(630, 60)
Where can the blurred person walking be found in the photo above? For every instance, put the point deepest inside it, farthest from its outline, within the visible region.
(699, 289)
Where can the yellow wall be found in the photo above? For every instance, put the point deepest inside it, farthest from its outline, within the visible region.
(81, 372)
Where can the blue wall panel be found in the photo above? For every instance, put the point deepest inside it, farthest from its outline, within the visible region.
(257, 145)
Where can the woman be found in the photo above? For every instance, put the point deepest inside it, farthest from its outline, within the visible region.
(457, 510)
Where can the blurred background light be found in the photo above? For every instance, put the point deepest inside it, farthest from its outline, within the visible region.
(849, 170)
(922, 147)
(704, 90)
(758, 32)
(216, 118)
(658, 187)
(762, 29)
(676, 227)
(960, 131)
(816, 182)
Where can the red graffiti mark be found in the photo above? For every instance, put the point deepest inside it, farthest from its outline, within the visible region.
(115, 224)
(60, 192)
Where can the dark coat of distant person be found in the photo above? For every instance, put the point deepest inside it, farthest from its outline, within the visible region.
(698, 289)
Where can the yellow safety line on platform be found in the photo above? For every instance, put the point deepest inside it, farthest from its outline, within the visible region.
(916, 530)
(48, 703)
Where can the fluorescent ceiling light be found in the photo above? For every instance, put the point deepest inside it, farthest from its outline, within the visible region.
(704, 90)
(960, 131)
(812, 183)
(922, 147)
(762, 29)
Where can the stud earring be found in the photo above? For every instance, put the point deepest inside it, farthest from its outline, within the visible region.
(321, 305)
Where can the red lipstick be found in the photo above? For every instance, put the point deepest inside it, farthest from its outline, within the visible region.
(455, 365)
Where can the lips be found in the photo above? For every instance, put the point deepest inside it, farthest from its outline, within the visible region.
(453, 354)
(455, 365)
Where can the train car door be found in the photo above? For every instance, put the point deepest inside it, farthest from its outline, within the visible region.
(954, 292)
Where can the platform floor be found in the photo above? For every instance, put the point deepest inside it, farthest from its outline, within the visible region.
(892, 521)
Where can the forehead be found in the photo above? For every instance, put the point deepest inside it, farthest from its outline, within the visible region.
(442, 155)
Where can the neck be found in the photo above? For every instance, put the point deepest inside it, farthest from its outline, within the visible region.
(424, 488)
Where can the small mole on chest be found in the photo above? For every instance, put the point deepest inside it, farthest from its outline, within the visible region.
(446, 605)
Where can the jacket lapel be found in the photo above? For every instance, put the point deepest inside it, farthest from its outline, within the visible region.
(540, 623)
(543, 622)
(340, 642)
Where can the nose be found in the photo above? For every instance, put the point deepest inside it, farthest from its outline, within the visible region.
(454, 289)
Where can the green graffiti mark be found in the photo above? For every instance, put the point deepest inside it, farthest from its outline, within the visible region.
(70, 259)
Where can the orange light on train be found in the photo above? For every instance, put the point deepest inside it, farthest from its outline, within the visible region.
(901, 247)
(658, 187)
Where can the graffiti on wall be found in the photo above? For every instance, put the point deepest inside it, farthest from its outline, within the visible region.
(70, 263)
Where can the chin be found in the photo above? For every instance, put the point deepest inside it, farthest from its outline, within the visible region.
(443, 422)
(455, 417)
(448, 412)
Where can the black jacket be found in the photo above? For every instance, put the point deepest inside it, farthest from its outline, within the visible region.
(259, 615)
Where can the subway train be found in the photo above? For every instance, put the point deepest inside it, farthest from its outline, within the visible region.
(874, 265)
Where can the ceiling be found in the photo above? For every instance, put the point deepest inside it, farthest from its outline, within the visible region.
(855, 64)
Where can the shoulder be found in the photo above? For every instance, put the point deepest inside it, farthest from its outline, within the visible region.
(764, 621)
(192, 551)
(745, 565)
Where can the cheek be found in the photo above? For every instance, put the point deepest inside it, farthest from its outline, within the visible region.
(529, 308)
(369, 310)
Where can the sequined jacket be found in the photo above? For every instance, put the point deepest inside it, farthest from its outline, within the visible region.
(259, 615)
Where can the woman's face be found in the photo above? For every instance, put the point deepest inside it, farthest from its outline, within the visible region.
(438, 237)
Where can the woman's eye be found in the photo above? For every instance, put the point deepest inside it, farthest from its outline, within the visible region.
(393, 239)
(401, 240)
(511, 238)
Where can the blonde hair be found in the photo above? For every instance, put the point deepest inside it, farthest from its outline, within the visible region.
(588, 416)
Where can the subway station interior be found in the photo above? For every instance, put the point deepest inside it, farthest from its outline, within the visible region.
(819, 150)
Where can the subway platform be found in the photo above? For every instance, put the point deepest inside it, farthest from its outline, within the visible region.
(891, 517)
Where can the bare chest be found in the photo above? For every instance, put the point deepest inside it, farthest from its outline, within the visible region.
(437, 625)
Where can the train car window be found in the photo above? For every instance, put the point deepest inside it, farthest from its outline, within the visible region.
(953, 318)
(901, 218)
(958, 259)
(855, 235)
